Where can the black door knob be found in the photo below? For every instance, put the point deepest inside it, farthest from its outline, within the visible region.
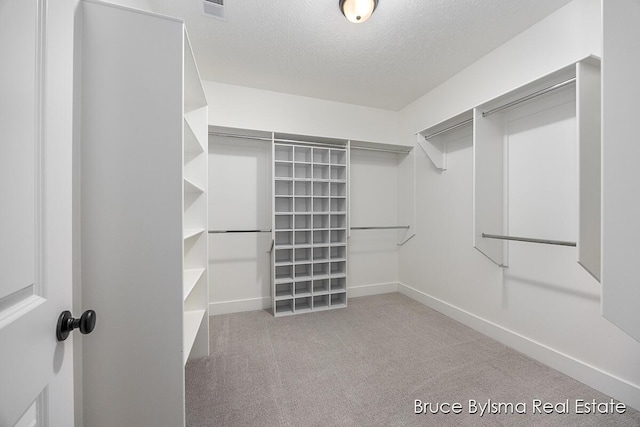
(66, 323)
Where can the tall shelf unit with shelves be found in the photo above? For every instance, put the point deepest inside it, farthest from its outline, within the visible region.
(144, 167)
(310, 224)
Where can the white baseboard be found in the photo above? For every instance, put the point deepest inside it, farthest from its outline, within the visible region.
(375, 289)
(263, 303)
(606, 383)
(238, 306)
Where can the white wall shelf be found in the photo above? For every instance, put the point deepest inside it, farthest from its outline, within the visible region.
(310, 201)
(191, 324)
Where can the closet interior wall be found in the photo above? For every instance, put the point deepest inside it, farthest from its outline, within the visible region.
(240, 199)
(546, 307)
(373, 254)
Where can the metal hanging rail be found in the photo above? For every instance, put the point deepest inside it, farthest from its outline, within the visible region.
(386, 150)
(528, 97)
(231, 135)
(392, 227)
(238, 231)
(456, 126)
(320, 144)
(529, 240)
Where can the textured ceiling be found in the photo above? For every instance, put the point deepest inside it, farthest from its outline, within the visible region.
(306, 47)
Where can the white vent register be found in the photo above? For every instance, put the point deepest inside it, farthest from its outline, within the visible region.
(214, 8)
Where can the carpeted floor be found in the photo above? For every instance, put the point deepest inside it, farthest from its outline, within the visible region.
(366, 365)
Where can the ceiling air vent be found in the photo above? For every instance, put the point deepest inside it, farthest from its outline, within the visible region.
(214, 8)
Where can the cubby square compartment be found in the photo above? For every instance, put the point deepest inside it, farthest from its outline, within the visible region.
(303, 288)
(284, 290)
(284, 222)
(284, 170)
(321, 221)
(320, 269)
(284, 256)
(320, 254)
(338, 157)
(338, 268)
(284, 188)
(302, 171)
(303, 238)
(303, 254)
(303, 204)
(303, 188)
(303, 154)
(321, 189)
(321, 286)
(283, 152)
(339, 284)
(320, 205)
(303, 272)
(284, 273)
(303, 304)
(338, 173)
(284, 306)
(338, 236)
(339, 221)
(320, 155)
(338, 252)
(320, 302)
(303, 222)
(284, 238)
(283, 204)
(338, 205)
(321, 172)
(338, 189)
(320, 237)
(339, 300)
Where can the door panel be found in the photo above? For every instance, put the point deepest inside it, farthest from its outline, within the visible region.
(35, 219)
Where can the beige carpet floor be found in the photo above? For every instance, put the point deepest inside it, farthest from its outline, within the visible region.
(365, 365)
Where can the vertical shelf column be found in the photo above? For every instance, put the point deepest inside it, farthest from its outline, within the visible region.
(310, 207)
(195, 250)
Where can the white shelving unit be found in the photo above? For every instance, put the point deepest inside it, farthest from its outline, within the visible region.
(144, 170)
(310, 228)
(195, 215)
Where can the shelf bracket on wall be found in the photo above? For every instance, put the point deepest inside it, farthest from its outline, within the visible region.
(433, 140)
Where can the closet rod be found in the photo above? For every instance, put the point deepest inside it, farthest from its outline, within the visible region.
(231, 135)
(393, 227)
(527, 239)
(353, 147)
(322, 144)
(528, 97)
(449, 128)
(238, 231)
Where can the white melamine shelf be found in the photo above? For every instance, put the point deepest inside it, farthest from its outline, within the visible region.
(191, 144)
(191, 277)
(191, 325)
(190, 187)
(192, 232)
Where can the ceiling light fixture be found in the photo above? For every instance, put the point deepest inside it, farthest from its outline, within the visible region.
(358, 11)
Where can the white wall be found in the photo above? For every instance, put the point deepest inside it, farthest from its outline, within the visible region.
(247, 108)
(570, 34)
(544, 304)
(240, 198)
(373, 254)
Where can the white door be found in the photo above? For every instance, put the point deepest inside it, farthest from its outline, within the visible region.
(36, 83)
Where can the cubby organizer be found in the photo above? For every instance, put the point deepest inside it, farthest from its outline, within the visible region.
(310, 202)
